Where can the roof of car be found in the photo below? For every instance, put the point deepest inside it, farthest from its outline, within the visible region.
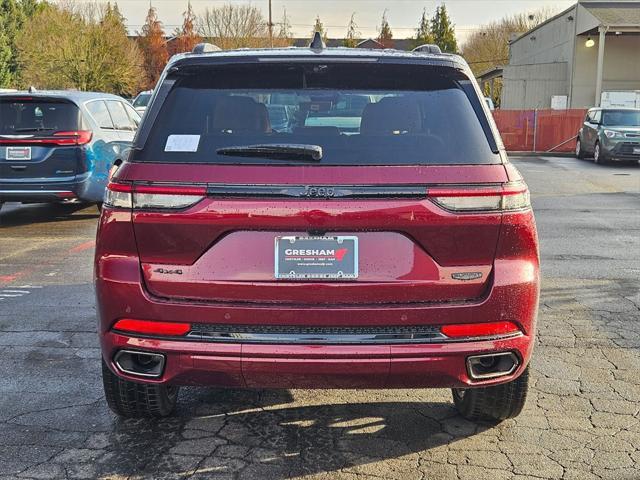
(73, 95)
(334, 53)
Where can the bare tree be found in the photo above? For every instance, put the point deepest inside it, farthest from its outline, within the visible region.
(284, 38)
(234, 26)
(488, 47)
(351, 40)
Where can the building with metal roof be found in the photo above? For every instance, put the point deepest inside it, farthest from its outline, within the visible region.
(572, 58)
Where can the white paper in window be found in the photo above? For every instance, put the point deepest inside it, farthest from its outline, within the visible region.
(182, 143)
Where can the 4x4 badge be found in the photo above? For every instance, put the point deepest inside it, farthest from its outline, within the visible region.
(167, 271)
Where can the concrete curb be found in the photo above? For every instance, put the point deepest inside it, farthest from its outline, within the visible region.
(541, 154)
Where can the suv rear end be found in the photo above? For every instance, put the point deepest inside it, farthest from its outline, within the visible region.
(53, 148)
(380, 238)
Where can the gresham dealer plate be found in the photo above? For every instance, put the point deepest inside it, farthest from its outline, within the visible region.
(304, 258)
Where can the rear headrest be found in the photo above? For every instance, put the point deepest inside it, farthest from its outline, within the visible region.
(240, 114)
(391, 115)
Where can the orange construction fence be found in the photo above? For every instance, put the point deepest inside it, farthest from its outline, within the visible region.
(539, 130)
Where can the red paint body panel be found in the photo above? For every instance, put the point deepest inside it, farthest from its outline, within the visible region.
(409, 249)
(312, 174)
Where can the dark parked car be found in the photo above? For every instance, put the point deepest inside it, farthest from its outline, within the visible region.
(60, 146)
(142, 100)
(389, 245)
(610, 134)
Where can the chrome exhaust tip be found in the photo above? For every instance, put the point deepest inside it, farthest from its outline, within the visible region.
(492, 365)
(142, 364)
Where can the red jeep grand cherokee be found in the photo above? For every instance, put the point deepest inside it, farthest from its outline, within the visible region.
(317, 218)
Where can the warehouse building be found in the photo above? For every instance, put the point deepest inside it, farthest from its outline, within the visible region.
(569, 60)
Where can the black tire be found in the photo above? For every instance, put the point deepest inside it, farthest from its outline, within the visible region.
(580, 153)
(137, 400)
(493, 403)
(599, 156)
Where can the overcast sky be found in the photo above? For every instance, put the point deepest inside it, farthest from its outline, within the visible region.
(403, 15)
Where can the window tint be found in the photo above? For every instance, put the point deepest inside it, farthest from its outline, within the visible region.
(121, 119)
(33, 116)
(99, 112)
(358, 114)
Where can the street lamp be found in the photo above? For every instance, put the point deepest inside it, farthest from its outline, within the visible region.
(589, 43)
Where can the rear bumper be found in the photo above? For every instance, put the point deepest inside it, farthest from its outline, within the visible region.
(513, 296)
(87, 187)
(316, 366)
(31, 194)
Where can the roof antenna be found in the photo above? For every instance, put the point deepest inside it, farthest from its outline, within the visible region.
(32, 89)
(317, 43)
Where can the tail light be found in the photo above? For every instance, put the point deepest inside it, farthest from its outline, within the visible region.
(476, 330)
(510, 196)
(75, 137)
(149, 327)
(122, 195)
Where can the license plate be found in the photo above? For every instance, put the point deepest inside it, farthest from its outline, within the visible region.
(18, 153)
(636, 150)
(331, 258)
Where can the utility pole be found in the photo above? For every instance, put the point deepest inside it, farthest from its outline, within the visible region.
(270, 26)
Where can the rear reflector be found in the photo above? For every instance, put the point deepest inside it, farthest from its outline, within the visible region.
(472, 330)
(121, 195)
(66, 195)
(511, 196)
(148, 327)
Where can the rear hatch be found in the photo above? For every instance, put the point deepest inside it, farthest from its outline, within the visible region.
(39, 137)
(370, 194)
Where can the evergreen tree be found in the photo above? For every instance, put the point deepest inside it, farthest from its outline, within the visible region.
(443, 31)
(351, 39)
(6, 76)
(13, 18)
(114, 18)
(385, 36)
(423, 32)
(154, 47)
(319, 27)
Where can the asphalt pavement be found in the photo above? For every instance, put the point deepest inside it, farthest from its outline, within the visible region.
(581, 421)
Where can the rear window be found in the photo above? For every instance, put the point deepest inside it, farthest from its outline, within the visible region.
(358, 115)
(33, 117)
(142, 100)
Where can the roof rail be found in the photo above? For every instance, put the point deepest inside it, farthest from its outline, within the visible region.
(427, 48)
(206, 48)
(317, 43)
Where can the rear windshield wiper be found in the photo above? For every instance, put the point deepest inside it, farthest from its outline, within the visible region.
(276, 151)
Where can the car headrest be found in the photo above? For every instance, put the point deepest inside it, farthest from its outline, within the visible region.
(240, 114)
(391, 115)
